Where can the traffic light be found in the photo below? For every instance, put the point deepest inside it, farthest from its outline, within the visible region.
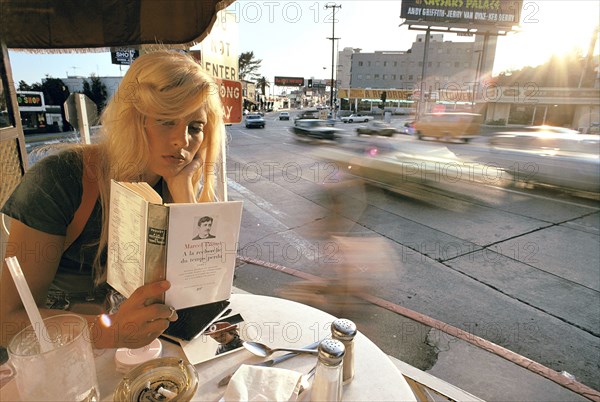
(310, 83)
(383, 96)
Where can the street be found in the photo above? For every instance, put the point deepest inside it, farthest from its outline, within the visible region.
(511, 263)
(515, 265)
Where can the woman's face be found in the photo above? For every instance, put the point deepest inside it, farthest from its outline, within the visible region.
(173, 144)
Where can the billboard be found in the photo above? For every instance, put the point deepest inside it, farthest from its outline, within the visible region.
(123, 56)
(468, 13)
(289, 81)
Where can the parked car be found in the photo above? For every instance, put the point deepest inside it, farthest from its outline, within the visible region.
(255, 120)
(377, 128)
(315, 128)
(357, 118)
(284, 115)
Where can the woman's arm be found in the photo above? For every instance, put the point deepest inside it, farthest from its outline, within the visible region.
(135, 324)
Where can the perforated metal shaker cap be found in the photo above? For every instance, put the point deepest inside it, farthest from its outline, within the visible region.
(343, 329)
(331, 352)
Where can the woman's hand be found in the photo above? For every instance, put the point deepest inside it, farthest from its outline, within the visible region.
(181, 186)
(138, 321)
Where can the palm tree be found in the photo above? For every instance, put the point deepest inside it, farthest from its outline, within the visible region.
(248, 65)
(262, 83)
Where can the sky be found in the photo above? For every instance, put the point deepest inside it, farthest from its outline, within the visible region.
(290, 37)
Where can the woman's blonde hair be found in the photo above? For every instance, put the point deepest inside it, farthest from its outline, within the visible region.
(167, 85)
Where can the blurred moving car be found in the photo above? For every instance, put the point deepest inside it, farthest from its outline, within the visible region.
(377, 128)
(448, 126)
(307, 114)
(547, 155)
(356, 117)
(408, 128)
(284, 115)
(255, 120)
(315, 129)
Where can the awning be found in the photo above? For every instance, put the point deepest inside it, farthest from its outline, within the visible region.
(75, 24)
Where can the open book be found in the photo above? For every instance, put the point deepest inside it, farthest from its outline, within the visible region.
(193, 246)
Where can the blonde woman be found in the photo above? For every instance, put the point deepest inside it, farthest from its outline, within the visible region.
(163, 126)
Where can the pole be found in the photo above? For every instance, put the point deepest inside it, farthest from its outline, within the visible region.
(333, 38)
(421, 109)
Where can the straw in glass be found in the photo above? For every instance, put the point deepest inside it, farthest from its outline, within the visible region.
(30, 307)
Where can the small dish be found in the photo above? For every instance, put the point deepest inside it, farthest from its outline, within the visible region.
(155, 379)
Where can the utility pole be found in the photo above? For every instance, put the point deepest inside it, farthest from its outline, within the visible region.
(333, 38)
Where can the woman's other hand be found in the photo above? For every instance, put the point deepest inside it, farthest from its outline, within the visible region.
(138, 321)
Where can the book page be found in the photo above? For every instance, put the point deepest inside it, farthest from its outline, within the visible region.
(126, 249)
(201, 252)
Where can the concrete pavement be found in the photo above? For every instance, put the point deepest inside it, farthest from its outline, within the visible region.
(452, 366)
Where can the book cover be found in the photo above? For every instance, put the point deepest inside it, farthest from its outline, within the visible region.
(194, 246)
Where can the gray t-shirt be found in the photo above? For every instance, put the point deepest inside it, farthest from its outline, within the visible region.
(46, 199)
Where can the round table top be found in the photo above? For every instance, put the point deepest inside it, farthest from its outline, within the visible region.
(277, 323)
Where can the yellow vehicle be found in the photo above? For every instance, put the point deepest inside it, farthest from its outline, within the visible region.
(464, 126)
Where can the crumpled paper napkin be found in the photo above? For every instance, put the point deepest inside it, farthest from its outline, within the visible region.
(257, 383)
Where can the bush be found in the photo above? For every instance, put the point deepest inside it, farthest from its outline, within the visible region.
(499, 122)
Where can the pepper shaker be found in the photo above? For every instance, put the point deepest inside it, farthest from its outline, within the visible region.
(344, 331)
(327, 385)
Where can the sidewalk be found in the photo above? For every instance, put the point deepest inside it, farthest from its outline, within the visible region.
(453, 367)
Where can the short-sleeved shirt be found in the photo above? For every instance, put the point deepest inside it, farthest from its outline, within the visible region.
(46, 199)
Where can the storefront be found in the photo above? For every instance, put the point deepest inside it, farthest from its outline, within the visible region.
(32, 109)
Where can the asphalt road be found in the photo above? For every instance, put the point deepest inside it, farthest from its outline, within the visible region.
(512, 264)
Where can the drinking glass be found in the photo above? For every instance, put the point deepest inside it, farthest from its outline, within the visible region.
(64, 373)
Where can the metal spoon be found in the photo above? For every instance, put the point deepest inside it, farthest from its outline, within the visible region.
(262, 350)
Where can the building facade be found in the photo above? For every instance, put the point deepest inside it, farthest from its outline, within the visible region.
(448, 63)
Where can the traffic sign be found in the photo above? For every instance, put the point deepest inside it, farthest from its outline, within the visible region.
(231, 98)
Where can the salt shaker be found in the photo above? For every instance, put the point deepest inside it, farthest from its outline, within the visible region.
(344, 331)
(327, 385)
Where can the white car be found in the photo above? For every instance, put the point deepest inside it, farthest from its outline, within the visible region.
(284, 116)
(357, 118)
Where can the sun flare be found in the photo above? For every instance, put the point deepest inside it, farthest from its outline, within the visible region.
(548, 27)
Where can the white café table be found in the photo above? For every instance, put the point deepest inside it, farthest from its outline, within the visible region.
(276, 322)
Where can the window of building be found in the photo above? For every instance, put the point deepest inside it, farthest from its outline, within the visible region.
(439, 64)
(420, 64)
(410, 77)
(368, 76)
(395, 64)
(401, 77)
(368, 63)
(360, 76)
(467, 65)
(394, 77)
(447, 64)
(376, 76)
(360, 63)
(385, 63)
(377, 64)
(457, 64)
(385, 76)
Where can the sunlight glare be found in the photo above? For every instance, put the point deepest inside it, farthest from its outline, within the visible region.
(549, 28)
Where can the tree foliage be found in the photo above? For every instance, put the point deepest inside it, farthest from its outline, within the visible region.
(96, 91)
(248, 66)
